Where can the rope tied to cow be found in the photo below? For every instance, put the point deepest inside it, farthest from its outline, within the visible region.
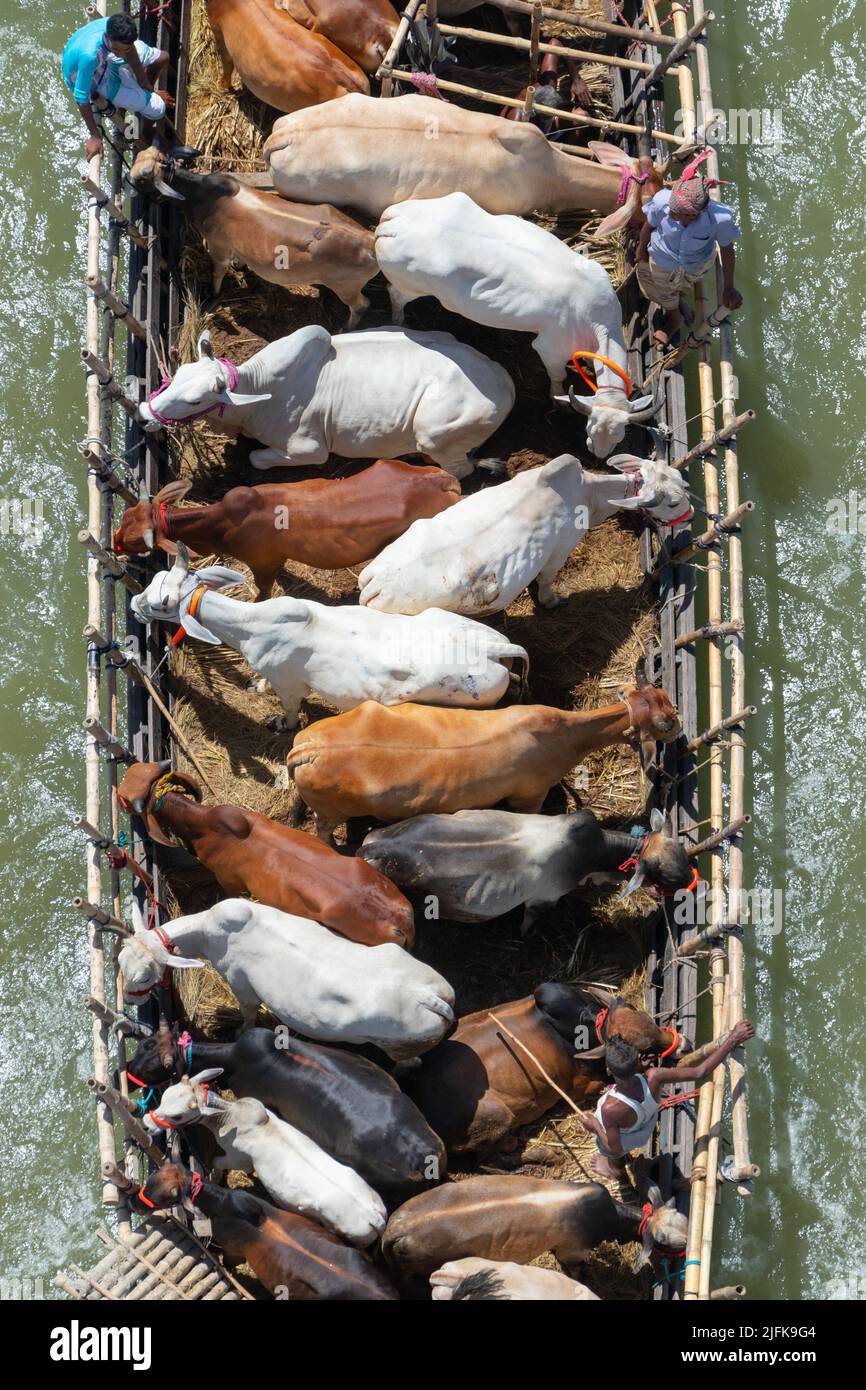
(426, 84)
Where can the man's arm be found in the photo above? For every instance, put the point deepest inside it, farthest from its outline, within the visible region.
(643, 241)
(659, 1077)
(94, 143)
(731, 297)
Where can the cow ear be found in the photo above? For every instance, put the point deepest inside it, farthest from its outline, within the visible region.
(168, 546)
(184, 963)
(625, 463)
(193, 628)
(645, 1254)
(615, 221)
(201, 1077)
(657, 820)
(220, 577)
(611, 155)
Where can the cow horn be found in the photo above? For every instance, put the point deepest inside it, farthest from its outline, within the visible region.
(138, 805)
(149, 538)
(579, 403)
(143, 494)
(647, 412)
(167, 192)
(164, 765)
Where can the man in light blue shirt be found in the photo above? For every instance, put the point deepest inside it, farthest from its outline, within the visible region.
(677, 246)
(105, 59)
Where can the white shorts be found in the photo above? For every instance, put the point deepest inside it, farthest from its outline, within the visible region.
(129, 96)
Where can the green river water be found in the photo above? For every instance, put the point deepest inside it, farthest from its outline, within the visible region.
(801, 354)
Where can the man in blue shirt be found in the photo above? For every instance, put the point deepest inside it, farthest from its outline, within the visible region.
(677, 246)
(106, 60)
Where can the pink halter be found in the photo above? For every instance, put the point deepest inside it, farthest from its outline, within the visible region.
(626, 180)
(169, 420)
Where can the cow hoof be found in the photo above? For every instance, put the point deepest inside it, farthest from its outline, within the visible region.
(279, 724)
(551, 600)
(257, 687)
(496, 467)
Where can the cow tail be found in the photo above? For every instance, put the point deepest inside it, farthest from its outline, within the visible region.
(519, 678)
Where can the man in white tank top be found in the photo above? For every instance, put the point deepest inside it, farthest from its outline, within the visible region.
(627, 1112)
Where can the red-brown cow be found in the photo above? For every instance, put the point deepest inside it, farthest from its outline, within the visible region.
(325, 523)
(249, 853)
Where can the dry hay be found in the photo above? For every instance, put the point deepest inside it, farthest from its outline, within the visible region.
(581, 653)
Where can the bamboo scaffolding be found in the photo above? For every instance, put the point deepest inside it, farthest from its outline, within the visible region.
(736, 1062)
(581, 55)
(592, 26)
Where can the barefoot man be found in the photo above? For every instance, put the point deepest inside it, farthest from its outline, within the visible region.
(627, 1113)
(677, 246)
(106, 60)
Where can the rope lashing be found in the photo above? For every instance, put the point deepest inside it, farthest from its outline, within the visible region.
(426, 84)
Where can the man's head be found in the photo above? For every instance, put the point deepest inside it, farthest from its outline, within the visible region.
(121, 33)
(621, 1058)
(689, 197)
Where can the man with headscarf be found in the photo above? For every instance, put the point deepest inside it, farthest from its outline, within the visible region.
(677, 247)
(105, 61)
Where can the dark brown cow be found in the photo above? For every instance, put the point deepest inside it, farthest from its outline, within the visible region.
(290, 1255)
(288, 244)
(363, 29)
(477, 1086)
(280, 61)
(411, 760)
(324, 523)
(516, 1218)
(249, 853)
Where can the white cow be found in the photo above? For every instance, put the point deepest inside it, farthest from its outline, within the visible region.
(296, 1172)
(507, 273)
(471, 1279)
(481, 553)
(319, 984)
(381, 393)
(346, 654)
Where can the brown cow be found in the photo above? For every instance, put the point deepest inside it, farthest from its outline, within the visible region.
(324, 523)
(477, 1086)
(292, 1256)
(415, 759)
(363, 29)
(517, 1218)
(280, 61)
(288, 244)
(249, 853)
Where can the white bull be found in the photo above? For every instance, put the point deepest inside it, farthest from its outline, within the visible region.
(382, 393)
(471, 1279)
(346, 654)
(507, 273)
(480, 554)
(319, 984)
(362, 152)
(296, 1172)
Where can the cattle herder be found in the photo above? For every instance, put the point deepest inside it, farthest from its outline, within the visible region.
(677, 246)
(106, 61)
(627, 1113)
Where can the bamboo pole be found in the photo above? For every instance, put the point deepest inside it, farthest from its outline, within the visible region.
(107, 741)
(532, 1057)
(736, 1062)
(726, 833)
(120, 1108)
(534, 44)
(581, 55)
(115, 212)
(592, 26)
(708, 632)
(104, 377)
(720, 436)
(386, 67)
(106, 474)
(715, 731)
(723, 528)
(121, 311)
(109, 562)
(680, 49)
(492, 99)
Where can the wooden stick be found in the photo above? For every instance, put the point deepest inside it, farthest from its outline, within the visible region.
(679, 50)
(383, 72)
(719, 530)
(121, 1109)
(105, 379)
(107, 475)
(178, 736)
(94, 913)
(534, 41)
(111, 745)
(593, 26)
(121, 311)
(94, 1283)
(719, 836)
(580, 55)
(720, 436)
(115, 213)
(531, 1055)
(708, 632)
(109, 562)
(492, 99)
(730, 1291)
(721, 726)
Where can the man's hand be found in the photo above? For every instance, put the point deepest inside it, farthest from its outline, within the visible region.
(580, 94)
(744, 1030)
(731, 297)
(588, 1120)
(93, 146)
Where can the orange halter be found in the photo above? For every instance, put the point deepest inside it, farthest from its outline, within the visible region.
(607, 362)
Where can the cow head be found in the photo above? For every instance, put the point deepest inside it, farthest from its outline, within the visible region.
(143, 960)
(655, 719)
(139, 532)
(155, 1059)
(658, 490)
(666, 1233)
(168, 1186)
(138, 789)
(187, 1102)
(168, 592)
(641, 180)
(662, 863)
(608, 415)
(196, 389)
(153, 169)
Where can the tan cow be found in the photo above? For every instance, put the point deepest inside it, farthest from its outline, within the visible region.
(363, 29)
(289, 244)
(280, 61)
(366, 153)
(392, 763)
